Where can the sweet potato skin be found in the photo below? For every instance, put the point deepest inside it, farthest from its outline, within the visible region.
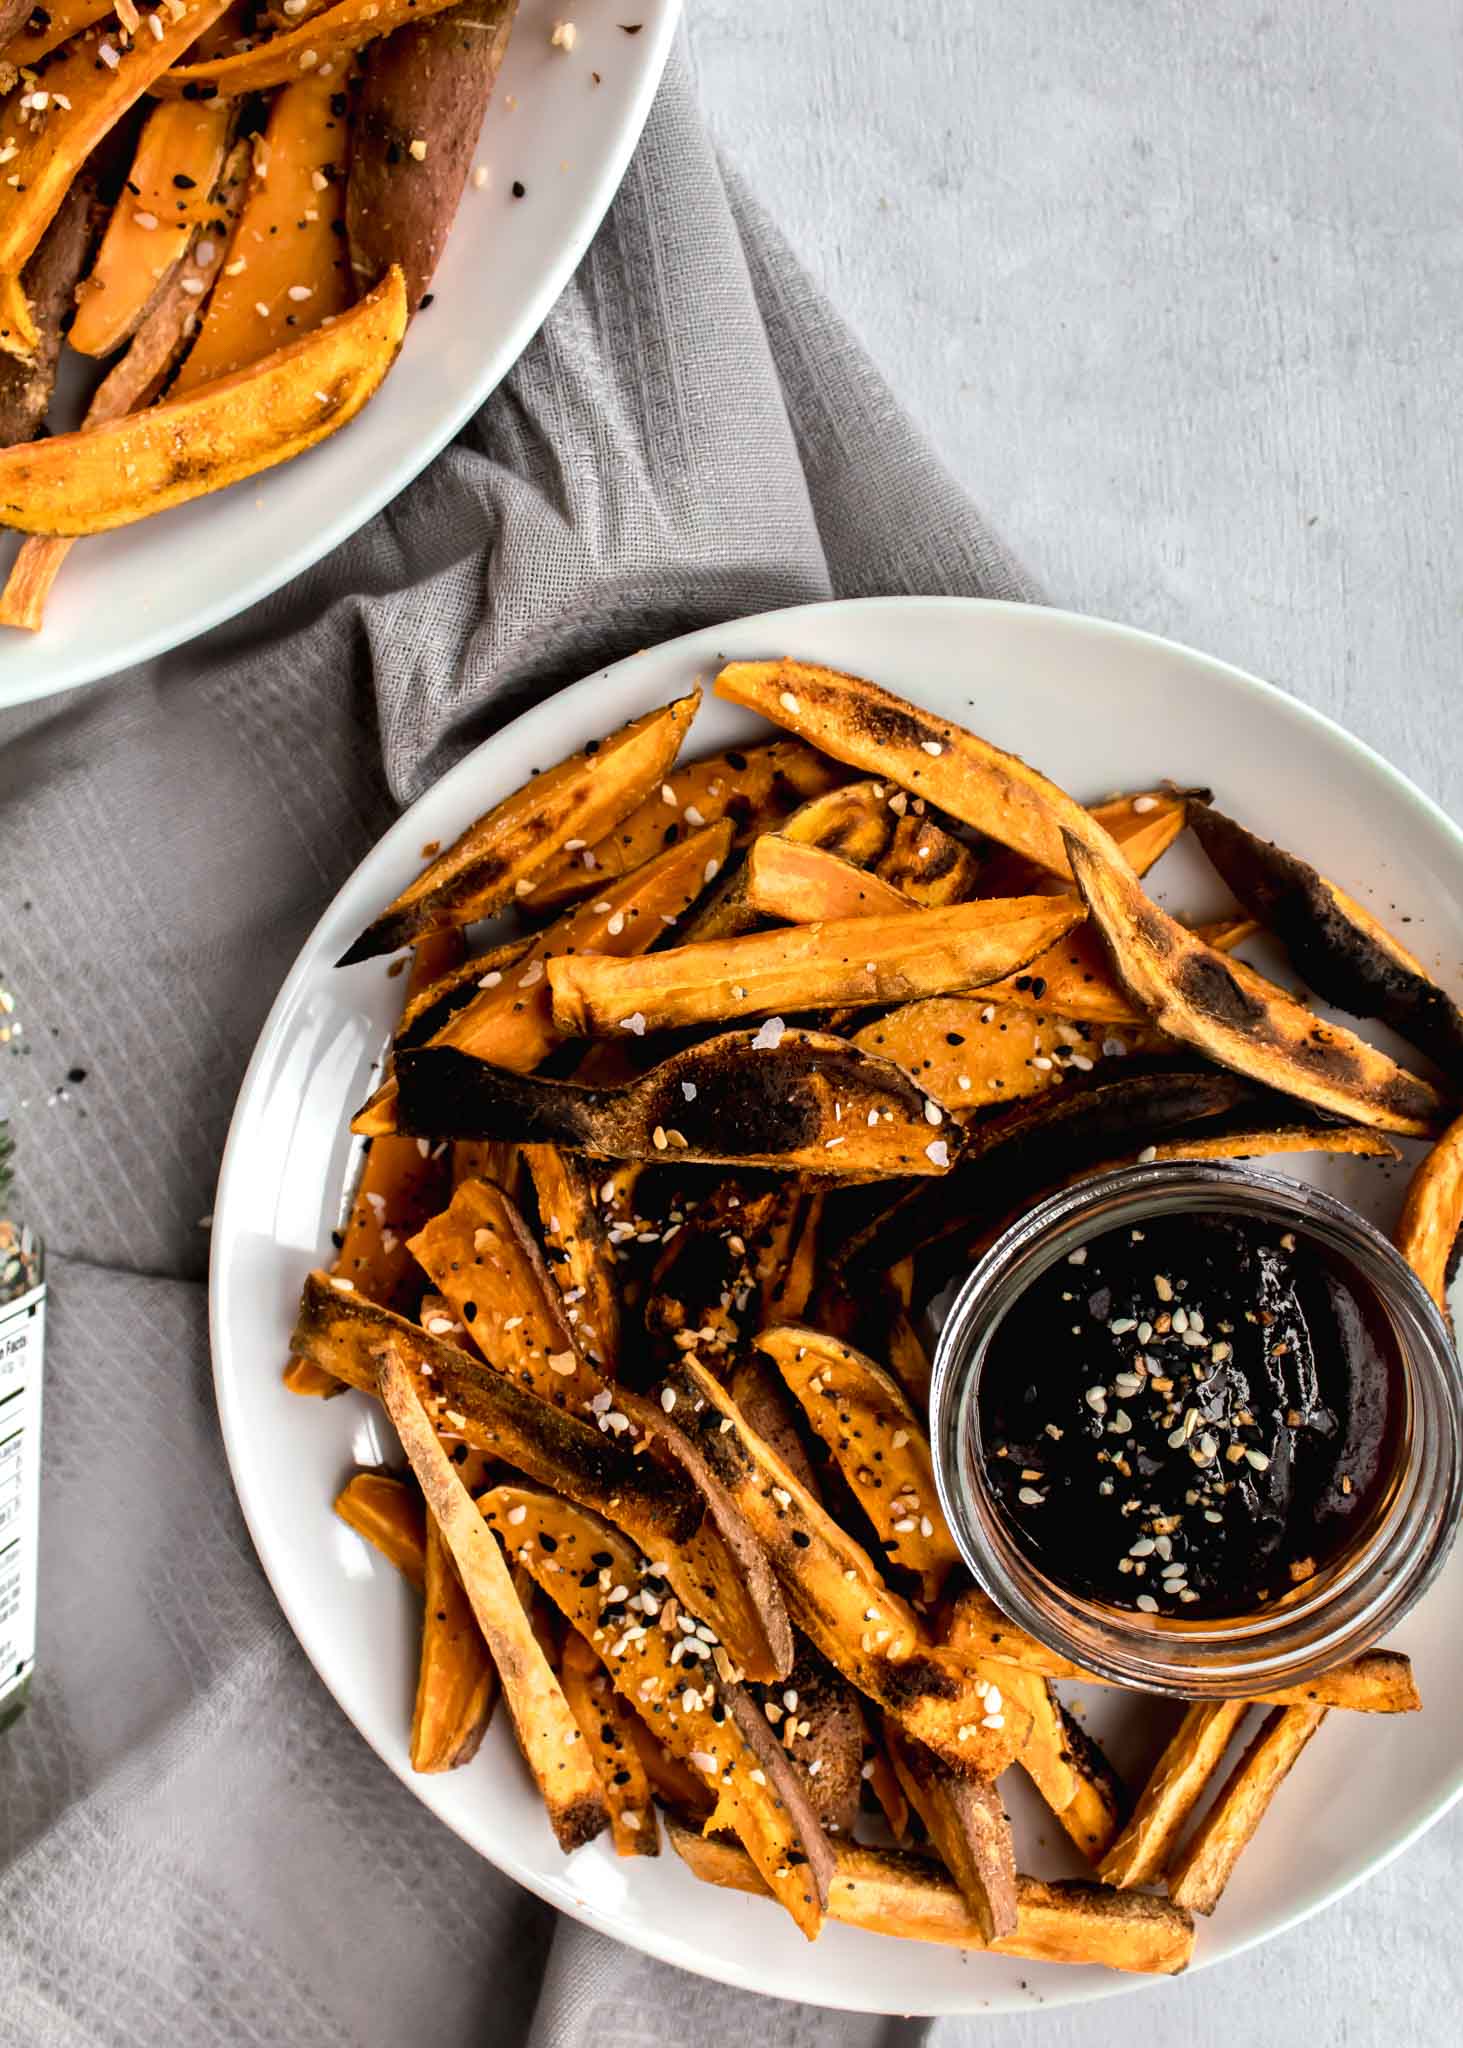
(49, 280)
(429, 82)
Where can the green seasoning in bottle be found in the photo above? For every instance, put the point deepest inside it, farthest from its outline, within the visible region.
(22, 1330)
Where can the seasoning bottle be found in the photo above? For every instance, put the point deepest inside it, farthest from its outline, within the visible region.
(22, 1332)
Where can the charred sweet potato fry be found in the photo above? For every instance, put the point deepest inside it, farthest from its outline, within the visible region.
(457, 1680)
(580, 798)
(332, 33)
(1224, 1011)
(887, 1891)
(879, 1443)
(703, 1287)
(656, 1504)
(389, 1514)
(546, 1730)
(1074, 978)
(46, 289)
(1345, 954)
(804, 1101)
(1376, 1682)
(965, 1821)
(835, 1593)
(753, 787)
(1252, 1139)
(427, 83)
(855, 820)
(604, 1720)
(692, 1703)
(970, 1052)
(1100, 1799)
(884, 959)
(1177, 1783)
(930, 866)
(505, 1014)
(129, 469)
(1067, 1768)
(578, 1249)
(815, 1715)
(801, 884)
(1198, 1875)
(1432, 1215)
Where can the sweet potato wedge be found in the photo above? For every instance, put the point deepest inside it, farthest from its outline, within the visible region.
(457, 1680)
(87, 97)
(879, 1443)
(717, 1572)
(389, 1514)
(886, 1891)
(1174, 1788)
(129, 469)
(754, 788)
(1198, 1875)
(690, 1700)
(168, 198)
(965, 1821)
(1227, 1013)
(855, 820)
(577, 1246)
(928, 865)
(1376, 1682)
(1345, 954)
(885, 959)
(546, 1730)
(1100, 1799)
(323, 44)
(703, 1290)
(1251, 1139)
(804, 1101)
(1432, 1215)
(47, 284)
(835, 1593)
(423, 96)
(856, 721)
(582, 797)
(970, 1052)
(286, 273)
(1144, 824)
(763, 1400)
(815, 1714)
(28, 32)
(801, 884)
(480, 1254)
(1074, 978)
(604, 1722)
(507, 1014)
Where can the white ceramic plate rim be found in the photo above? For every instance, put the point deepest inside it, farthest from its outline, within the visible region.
(83, 667)
(778, 628)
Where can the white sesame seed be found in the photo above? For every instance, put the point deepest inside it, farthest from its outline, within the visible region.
(1258, 1459)
(1120, 1325)
(932, 747)
(634, 1022)
(1147, 1602)
(1096, 1399)
(938, 1152)
(788, 701)
(1028, 1497)
(1142, 1548)
(668, 1398)
(299, 293)
(1078, 1257)
(1145, 803)
(562, 1362)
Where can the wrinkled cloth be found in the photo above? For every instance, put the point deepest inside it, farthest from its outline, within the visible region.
(195, 1845)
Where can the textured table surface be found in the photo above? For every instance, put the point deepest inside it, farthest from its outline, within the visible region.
(1175, 290)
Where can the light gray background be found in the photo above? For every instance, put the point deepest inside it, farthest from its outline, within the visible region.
(1176, 291)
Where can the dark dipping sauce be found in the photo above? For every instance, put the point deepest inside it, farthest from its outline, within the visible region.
(1192, 1416)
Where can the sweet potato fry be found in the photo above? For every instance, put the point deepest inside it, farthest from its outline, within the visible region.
(691, 1701)
(1345, 954)
(168, 197)
(1175, 1786)
(835, 1593)
(582, 797)
(389, 1515)
(506, 1014)
(1100, 1798)
(1254, 1140)
(332, 33)
(43, 301)
(546, 1730)
(885, 959)
(855, 820)
(40, 30)
(802, 1101)
(856, 721)
(580, 1255)
(965, 1821)
(1144, 824)
(86, 99)
(1376, 1682)
(816, 1716)
(604, 1720)
(429, 1008)
(885, 1891)
(717, 1570)
(1432, 1215)
(970, 1052)
(763, 1400)
(930, 866)
(1198, 1875)
(286, 272)
(1223, 1009)
(703, 1286)
(480, 1254)
(457, 1680)
(879, 1443)
(129, 469)
(801, 884)
(1074, 978)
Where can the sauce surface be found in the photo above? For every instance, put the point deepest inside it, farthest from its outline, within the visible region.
(1190, 1417)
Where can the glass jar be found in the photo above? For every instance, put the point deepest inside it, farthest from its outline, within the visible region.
(22, 1335)
(1357, 1595)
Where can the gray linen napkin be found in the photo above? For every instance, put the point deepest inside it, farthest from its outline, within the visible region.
(195, 1846)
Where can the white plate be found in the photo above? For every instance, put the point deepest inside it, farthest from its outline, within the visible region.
(126, 596)
(1099, 707)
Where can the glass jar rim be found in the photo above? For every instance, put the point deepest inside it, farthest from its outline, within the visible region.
(1346, 1609)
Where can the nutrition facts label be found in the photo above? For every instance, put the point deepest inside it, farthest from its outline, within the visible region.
(22, 1326)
